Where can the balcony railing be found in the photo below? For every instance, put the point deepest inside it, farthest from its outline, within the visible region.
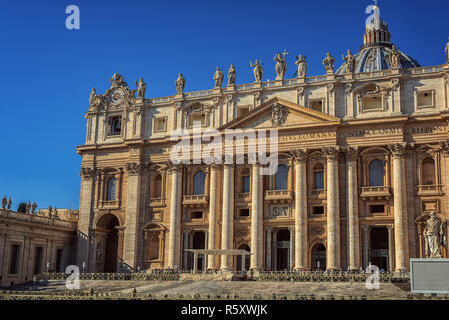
(195, 200)
(37, 218)
(157, 202)
(375, 192)
(243, 196)
(278, 196)
(430, 190)
(109, 204)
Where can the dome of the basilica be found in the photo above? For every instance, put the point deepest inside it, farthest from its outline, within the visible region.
(377, 51)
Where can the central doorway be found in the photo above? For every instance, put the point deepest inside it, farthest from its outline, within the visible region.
(379, 247)
(282, 247)
(318, 257)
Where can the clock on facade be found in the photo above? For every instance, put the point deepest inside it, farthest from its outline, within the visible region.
(117, 96)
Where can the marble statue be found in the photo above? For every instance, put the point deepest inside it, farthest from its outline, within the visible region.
(28, 207)
(302, 66)
(8, 206)
(281, 65)
(394, 57)
(435, 236)
(4, 202)
(180, 83)
(92, 96)
(55, 212)
(446, 51)
(257, 69)
(350, 62)
(231, 75)
(141, 88)
(329, 63)
(49, 211)
(218, 78)
(33, 208)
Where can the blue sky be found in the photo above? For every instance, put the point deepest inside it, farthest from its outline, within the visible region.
(47, 71)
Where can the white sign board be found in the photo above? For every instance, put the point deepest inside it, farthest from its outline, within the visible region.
(429, 275)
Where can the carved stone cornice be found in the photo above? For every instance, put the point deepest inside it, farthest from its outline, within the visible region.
(397, 149)
(133, 168)
(87, 173)
(331, 152)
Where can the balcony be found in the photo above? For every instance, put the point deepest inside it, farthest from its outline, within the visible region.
(195, 201)
(430, 190)
(109, 204)
(157, 202)
(375, 192)
(278, 196)
(243, 197)
(318, 193)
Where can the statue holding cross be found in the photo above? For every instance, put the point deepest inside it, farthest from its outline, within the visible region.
(281, 65)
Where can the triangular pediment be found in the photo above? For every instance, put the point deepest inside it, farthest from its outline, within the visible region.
(280, 113)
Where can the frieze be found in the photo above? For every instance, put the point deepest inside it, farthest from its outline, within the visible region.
(370, 132)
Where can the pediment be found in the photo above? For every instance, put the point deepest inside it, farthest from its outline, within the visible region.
(280, 113)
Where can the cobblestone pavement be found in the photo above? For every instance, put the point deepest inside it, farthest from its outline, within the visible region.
(186, 288)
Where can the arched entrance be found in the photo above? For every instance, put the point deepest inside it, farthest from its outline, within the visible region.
(379, 247)
(247, 258)
(318, 257)
(106, 244)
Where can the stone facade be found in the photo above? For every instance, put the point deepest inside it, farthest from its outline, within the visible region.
(366, 156)
(29, 241)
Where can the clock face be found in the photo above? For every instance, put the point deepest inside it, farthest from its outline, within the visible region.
(117, 96)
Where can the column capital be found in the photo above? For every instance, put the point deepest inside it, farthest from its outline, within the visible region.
(299, 155)
(444, 147)
(398, 149)
(173, 167)
(87, 173)
(134, 168)
(331, 152)
(352, 153)
(390, 227)
(365, 227)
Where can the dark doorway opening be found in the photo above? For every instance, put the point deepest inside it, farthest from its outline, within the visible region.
(282, 249)
(379, 247)
(247, 258)
(110, 222)
(318, 257)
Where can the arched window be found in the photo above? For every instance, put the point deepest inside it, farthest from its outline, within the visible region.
(318, 177)
(112, 189)
(198, 183)
(281, 178)
(246, 180)
(156, 187)
(428, 172)
(153, 248)
(376, 173)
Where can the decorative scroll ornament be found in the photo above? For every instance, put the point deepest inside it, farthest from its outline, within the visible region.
(278, 115)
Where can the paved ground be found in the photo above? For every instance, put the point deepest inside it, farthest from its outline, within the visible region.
(248, 289)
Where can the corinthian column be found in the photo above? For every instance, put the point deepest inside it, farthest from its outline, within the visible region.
(256, 219)
(132, 214)
(398, 151)
(300, 210)
(333, 210)
(175, 210)
(228, 209)
(212, 215)
(352, 204)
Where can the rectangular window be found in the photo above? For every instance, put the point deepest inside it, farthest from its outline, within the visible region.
(37, 260)
(198, 119)
(377, 208)
(115, 126)
(319, 180)
(197, 214)
(246, 184)
(58, 260)
(372, 103)
(316, 105)
(318, 210)
(242, 111)
(14, 262)
(244, 212)
(160, 124)
(425, 99)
